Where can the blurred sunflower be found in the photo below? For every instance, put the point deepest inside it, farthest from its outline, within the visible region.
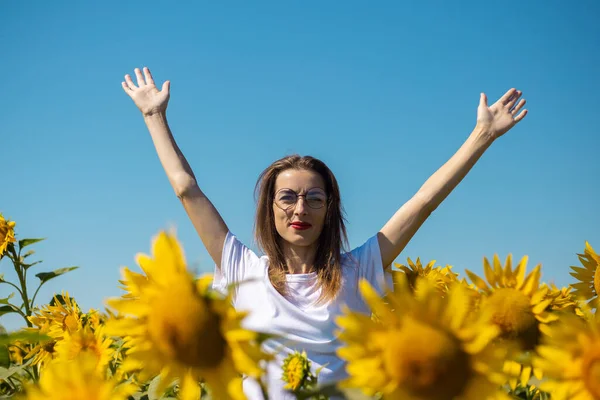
(588, 286)
(7, 234)
(442, 278)
(76, 379)
(516, 302)
(85, 340)
(175, 326)
(563, 299)
(17, 351)
(570, 357)
(421, 346)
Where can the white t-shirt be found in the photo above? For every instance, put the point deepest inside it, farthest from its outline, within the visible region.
(303, 325)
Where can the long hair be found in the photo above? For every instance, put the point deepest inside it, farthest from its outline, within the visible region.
(331, 242)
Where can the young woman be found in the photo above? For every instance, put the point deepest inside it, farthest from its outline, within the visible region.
(299, 286)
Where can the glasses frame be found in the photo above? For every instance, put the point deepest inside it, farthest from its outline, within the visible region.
(298, 197)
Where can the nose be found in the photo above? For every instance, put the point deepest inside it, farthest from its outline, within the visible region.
(300, 207)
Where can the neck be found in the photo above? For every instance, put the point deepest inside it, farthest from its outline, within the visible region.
(299, 259)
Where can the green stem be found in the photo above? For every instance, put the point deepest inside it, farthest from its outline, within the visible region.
(21, 274)
(18, 311)
(35, 294)
(13, 285)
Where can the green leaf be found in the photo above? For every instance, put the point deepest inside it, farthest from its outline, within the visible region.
(26, 242)
(24, 336)
(30, 265)
(5, 300)
(30, 252)
(2, 278)
(46, 276)
(6, 310)
(4, 357)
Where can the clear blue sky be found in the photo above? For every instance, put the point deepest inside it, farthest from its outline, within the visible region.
(383, 92)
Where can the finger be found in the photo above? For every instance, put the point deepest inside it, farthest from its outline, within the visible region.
(483, 100)
(513, 100)
(148, 76)
(166, 87)
(518, 107)
(126, 87)
(129, 82)
(504, 99)
(520, 116)
(140, 79)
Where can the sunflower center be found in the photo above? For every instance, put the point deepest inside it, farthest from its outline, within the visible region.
(591, 371)
(184, 328)
(426, 361)
(511, 311)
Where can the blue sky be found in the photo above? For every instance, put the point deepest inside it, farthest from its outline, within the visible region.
(383, 92)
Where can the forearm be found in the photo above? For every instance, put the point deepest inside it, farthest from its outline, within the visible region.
(449, 175)
(176, 167)
(403, 225)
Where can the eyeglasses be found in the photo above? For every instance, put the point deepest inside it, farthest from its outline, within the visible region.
(287, 198)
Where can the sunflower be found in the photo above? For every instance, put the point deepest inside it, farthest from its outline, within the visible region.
(175, 326)
(7, 234)
(86, 340)
(563, 299)
(570, 357)
(77, 379)
(53, 320)
(516, 302)
(588, 286)
(421, 346)
(296, 370)
(60, 316)
(441, 277)
(17, 352)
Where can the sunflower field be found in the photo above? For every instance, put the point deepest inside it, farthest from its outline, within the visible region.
(503, 334)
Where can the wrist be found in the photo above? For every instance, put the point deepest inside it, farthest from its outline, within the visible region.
(155, 116)
(483, 134)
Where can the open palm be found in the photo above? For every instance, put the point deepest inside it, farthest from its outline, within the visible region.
(503, 114)
(145, 95)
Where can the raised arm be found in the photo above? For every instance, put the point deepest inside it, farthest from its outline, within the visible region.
(492, 122)
(204, 216)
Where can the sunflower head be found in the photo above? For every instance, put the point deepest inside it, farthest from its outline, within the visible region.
(7, 234)
(422, 345)
(588, 287)
(61, 315)
(570, 357)
(515, 300)
(176, 326)
(296, 370)
(441, 277)
(77, 379)
(17, 352)
(86, 340)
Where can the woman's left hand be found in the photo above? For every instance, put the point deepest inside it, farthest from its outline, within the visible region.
(502, 115)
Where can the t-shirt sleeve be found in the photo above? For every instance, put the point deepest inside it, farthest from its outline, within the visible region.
(370, 266)
(237, 264)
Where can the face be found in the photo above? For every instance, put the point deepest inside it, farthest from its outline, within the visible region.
(301, 223)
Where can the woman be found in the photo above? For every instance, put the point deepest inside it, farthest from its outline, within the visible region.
(299, 286)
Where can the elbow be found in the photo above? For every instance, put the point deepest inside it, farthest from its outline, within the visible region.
(424, 203)
(184, 185)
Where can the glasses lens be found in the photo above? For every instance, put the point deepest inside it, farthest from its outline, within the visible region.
(316, 198)
(285, 198)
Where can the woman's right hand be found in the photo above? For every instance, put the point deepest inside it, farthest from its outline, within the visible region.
(145, 95)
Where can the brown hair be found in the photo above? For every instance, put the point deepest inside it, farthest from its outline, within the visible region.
(332, 240)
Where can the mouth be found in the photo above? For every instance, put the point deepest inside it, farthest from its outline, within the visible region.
(300, 225)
